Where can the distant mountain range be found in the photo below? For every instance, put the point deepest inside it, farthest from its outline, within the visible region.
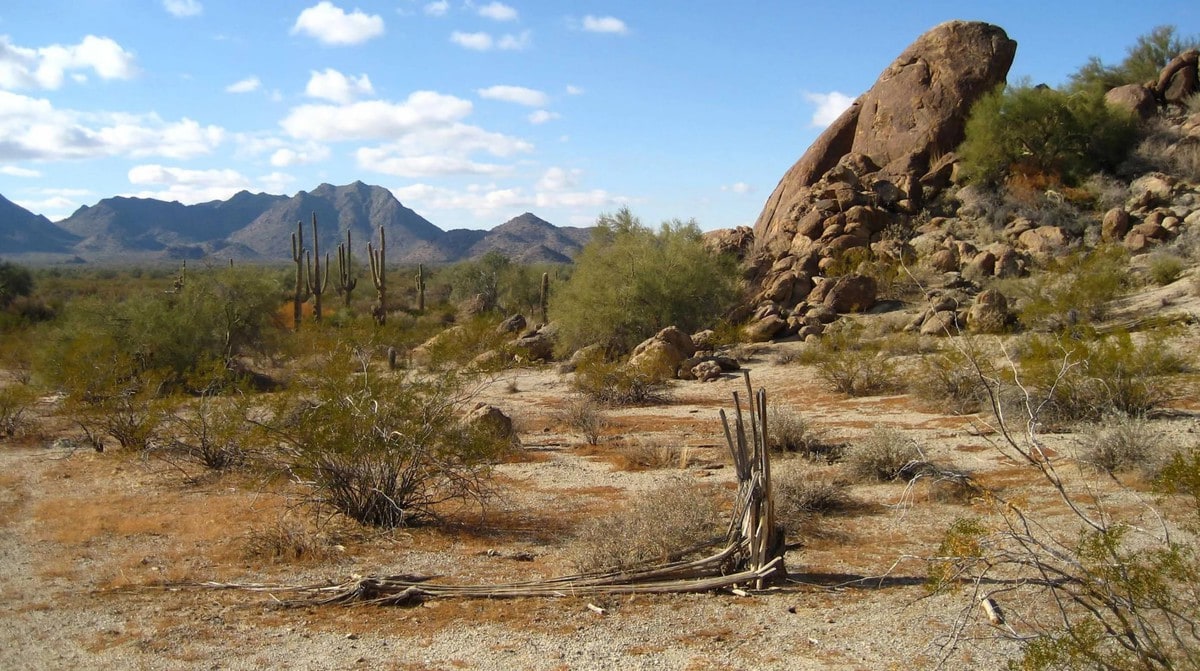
(258, 227)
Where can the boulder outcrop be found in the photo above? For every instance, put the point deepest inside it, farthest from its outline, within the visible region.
(917, 110)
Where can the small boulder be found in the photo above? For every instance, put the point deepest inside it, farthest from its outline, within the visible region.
(989, 313)
(706, 371)
(514, 324)
(1133, 98)
(1115, 225)
(851, 293)
(764, 329)
(491, 419)
(1044, 241)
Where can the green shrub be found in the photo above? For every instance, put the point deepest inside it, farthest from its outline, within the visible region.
(1143, 61)
(615, 383)
(1040, 131)
(216, 317)
(385, 451)
(15, 403)
(1091, 377)
(1074, 290)
(14, 281)
(630, 282)
(1165, 268)
(948, 380)
(853, 365)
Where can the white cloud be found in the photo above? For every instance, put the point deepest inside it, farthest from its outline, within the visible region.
(183, 8)
(573, 90)
(438, 8)
(290, 156)
(542, 116)
(738, 188)
(32, 128)
(473, 41)
(46, 67)
(330, 24)
(604, 24)
(485, 42)
(187, 186)
(15, 171)
(375, 118)
(514, 94)
(559, 179)
(54, 204)
(244, 85)
(335, 86)
(498, 11)
(276, 182)
(829, 106)
(514, 42)
(380, 161)
(490, 200)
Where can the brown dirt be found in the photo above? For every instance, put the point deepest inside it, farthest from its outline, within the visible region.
(88, 541)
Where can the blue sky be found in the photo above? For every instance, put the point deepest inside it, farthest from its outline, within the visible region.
(473, 112)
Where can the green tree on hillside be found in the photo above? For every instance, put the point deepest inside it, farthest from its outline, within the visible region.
(14, 281)
(1144, 60)
(1042, 131)
(629, 282)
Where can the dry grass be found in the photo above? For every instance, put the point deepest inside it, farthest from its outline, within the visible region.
(658, 525)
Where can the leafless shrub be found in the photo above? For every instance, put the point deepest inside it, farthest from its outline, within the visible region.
(15, 403)
(584, 415)
(288, 541)
(883, 456)
(790, 431)
(649, 455)
(1119, 443)
(803, 493)
(657, 525)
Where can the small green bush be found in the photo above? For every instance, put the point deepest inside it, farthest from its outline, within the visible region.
(1165, 268)
(615, 383)
(15, 403)
(1090, 377)
(15, 281)
(1040, 131)
(948, 381)
(1142, 63)
(386, 451)
(1073, 290)
(853, 365)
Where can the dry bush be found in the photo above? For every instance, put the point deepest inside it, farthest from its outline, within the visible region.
(15, 403)
(656, 526)
(649, 455)
(853, 366)
(214, 434)
(288, 541)
(949, 382)
(883, 456)
(616, 384)
(584, 415)
(789, 431)
(803, 493)
(1120, 443)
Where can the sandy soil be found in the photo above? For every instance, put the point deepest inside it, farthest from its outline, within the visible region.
(89, 539)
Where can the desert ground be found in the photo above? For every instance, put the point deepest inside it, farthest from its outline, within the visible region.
(103, 554)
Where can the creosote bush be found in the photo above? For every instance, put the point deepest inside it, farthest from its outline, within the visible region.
(584, 415)
(614, 383)
(947, 381)
(853, 365)
(1089, 377)
(385, 450)
(658, 525)
(804, 493)
(1165, 268)
(630, 282)
(1074, 289)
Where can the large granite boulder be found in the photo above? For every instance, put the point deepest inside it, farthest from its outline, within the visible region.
(916, 110)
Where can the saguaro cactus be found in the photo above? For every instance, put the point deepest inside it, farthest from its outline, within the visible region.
(346, 279)
(379, 277)
(298, 257)
(317, 280)
(420, 288)
(544, 297)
